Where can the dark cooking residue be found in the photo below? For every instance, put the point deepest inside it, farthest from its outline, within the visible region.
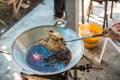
(41, 59)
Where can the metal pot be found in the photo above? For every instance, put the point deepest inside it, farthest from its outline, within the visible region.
(28, 38)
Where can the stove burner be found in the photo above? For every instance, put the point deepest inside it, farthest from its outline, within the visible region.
(41, 59)
(64, 75)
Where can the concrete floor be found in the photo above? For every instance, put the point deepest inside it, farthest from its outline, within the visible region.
(111, 59)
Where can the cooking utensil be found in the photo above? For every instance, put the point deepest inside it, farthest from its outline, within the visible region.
(95, 35)
(28, 39)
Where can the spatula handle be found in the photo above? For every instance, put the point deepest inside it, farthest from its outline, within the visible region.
(96, 35)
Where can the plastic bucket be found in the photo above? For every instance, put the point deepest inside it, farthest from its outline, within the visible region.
(87, 30)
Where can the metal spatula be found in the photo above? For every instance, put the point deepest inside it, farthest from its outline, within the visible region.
(91, 36)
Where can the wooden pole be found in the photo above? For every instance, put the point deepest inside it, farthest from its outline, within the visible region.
(82, 11)
(89, 9)
(111, 9)
(105, 14)
(72, 14)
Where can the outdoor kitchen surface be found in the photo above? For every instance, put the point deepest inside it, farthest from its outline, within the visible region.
(42, 14)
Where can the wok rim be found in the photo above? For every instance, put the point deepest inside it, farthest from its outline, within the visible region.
(32, 71)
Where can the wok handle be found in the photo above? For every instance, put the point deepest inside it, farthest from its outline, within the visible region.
(60, 23)
(4, 51)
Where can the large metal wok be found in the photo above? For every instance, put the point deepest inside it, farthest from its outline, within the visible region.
(28, 38)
